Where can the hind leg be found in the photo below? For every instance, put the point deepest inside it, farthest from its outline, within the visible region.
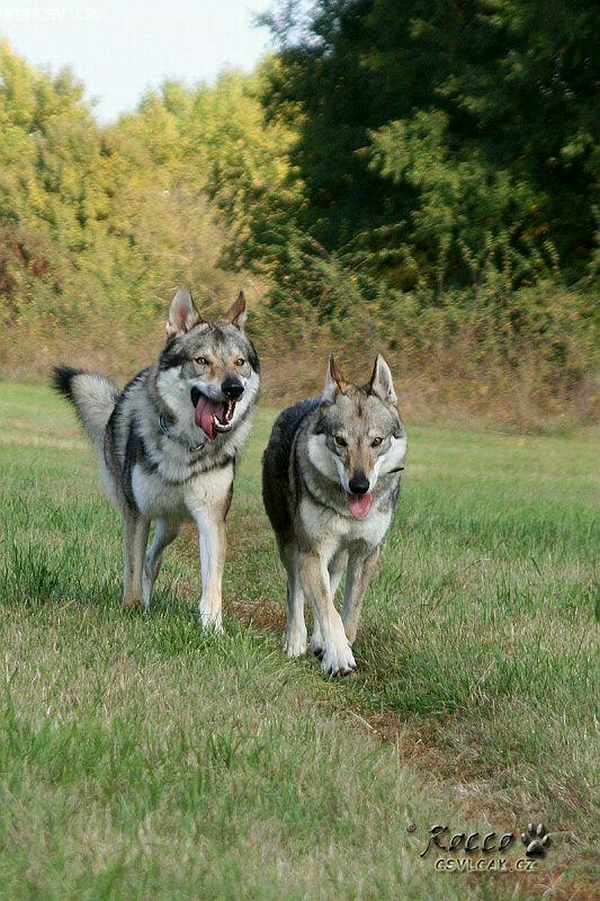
(166, 532)
(294, 640)
(135, 541)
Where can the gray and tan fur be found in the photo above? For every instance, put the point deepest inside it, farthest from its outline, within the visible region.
(331, 479)
(168, 443)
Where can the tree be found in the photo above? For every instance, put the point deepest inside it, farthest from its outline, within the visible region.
(514, 84)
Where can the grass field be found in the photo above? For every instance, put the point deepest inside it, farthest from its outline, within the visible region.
(143, 759)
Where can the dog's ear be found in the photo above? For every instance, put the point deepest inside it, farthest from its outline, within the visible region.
(334, 382)
(183, 314)
(237, 313)
(381, 384)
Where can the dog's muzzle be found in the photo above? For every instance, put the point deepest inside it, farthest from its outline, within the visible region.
(359, 483)
(359, 499)
(212, 416)
(232, 388)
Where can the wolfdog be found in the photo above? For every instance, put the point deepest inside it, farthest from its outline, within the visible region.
(168, 443)
(331, 479)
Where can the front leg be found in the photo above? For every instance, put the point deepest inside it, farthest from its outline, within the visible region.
(360, 573)
(212, 546)
(295, 627)
(337, 566)
(314, 578)
(208, 501)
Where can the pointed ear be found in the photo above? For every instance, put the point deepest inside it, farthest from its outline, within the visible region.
(381, 384)
(183, 314)
(334, 382)
(237, 313)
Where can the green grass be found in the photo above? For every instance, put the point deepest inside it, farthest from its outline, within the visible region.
(143, 759)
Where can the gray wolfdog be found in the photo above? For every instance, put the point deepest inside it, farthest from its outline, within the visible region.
(169, 442)
(331, 479)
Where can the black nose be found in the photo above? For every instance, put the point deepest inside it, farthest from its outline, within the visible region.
(359, 483)
(232, 388)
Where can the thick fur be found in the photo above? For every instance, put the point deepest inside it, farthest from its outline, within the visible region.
(93, 397)
(318, 451)
(157, 463)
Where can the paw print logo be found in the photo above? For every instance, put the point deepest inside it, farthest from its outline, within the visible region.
(536, 840)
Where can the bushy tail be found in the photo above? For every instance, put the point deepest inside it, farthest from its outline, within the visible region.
(93, 397)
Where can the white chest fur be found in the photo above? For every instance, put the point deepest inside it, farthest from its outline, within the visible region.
(156, 498)
(323, 526)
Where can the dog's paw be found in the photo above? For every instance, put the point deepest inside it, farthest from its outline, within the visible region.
(316, 642)
(146, 589)
(211, 623)
(317, 648)
(536, 840)
(294, 644)
(131, 602)
(211, 614)
(338, 660)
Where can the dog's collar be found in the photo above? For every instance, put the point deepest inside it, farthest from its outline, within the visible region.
(162, 424)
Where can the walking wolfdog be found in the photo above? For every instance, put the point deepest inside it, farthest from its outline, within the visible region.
(331, 479)
(168, 443)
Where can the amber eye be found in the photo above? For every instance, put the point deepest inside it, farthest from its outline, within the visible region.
(341, 442)
(240, 362)
(376, 442)
(202, 361)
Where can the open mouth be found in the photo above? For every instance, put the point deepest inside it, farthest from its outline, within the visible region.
(359, 505)
(210, 415)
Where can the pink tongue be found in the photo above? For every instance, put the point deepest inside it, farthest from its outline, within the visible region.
(359, 504)
(204, 412)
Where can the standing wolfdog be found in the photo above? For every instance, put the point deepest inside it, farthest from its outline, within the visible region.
(331, 479)
(169, 442)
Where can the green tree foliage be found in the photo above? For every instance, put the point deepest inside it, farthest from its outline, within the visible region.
(98, 225)
(420, 177)
(438, 131)
(247, 169)
(467, 214)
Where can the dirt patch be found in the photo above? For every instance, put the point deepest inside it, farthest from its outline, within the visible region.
(265, 614)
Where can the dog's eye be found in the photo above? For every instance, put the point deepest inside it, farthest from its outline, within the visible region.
(202, 361)
(376, 441)
(240, 361)
(341, 442)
